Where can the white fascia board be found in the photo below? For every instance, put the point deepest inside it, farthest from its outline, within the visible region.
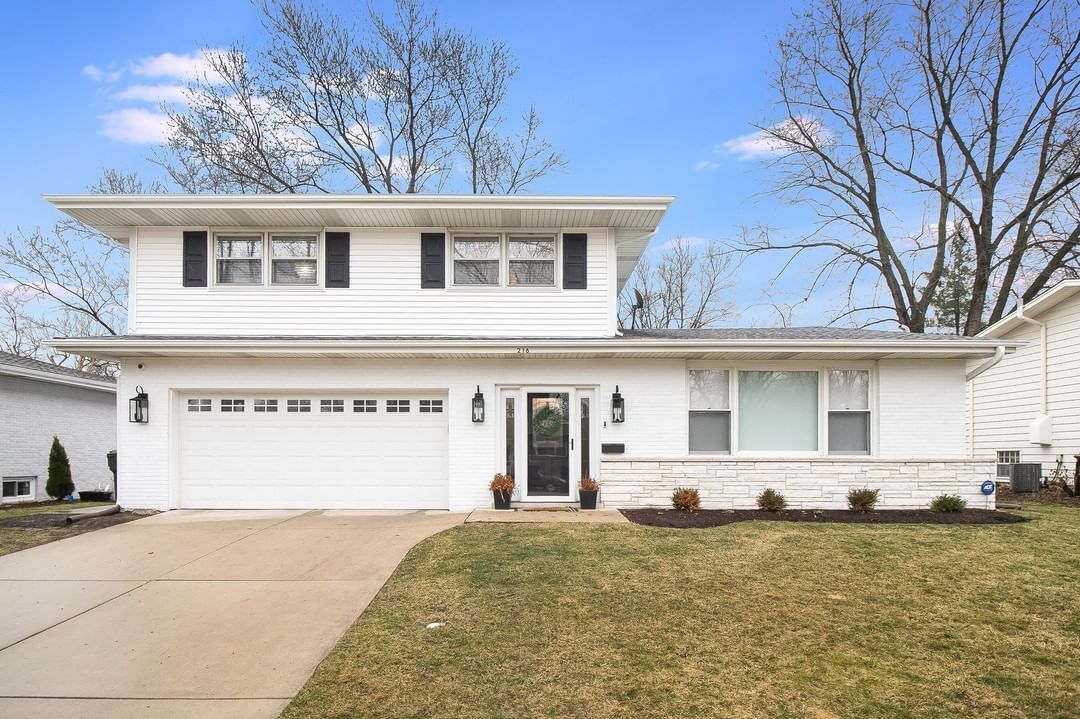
(1051, 298)
(51, 377)
(519, 346)
(576, 202)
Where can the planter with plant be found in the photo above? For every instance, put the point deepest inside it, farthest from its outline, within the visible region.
(588, 489)
(502, 489)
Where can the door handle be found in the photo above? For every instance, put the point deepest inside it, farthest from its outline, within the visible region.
(571, 443)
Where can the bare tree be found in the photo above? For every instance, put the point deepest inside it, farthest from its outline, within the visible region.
(931, 109)
(396, 103)
(684, 288)
(71, 281)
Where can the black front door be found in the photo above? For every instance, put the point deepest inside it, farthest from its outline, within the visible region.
(548, 444)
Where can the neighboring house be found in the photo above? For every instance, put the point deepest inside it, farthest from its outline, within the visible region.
(397, 351)
(1027, 408)
(39, 400)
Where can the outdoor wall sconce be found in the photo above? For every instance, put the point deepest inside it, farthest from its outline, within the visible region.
(478, 406)
(618, 407)
(139, 407)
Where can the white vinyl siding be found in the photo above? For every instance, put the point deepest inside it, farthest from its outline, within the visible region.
(384, 296)
(1007, 398)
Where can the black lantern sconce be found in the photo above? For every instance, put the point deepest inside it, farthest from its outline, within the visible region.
(478, 406)
(139, 407)
(618, 407)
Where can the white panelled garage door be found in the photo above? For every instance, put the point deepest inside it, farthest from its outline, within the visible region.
(313, 450)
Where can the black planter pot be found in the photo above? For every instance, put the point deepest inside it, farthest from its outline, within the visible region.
(95, 496)
(502, 500)
(588, 498)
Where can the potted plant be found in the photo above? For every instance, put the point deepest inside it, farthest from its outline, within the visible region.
(588, 489)
(502, 487)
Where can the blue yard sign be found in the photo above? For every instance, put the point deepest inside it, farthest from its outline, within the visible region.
(988, 487)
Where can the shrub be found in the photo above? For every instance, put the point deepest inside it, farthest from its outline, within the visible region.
(686, 498)
(771, 501)
(948, 503)
(588, 484)
(503, 483)
(59, 484)
(862, 500)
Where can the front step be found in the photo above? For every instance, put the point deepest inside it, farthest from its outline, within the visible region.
(545, 506)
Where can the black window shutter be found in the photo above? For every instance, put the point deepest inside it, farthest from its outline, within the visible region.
(433, 260)
(337, 259)
(195, 259)
(574, 261)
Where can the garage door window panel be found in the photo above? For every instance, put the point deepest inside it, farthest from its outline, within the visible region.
(266, 405)
(201, 404)
(365, 405)
(232, 405)
(397, 406)
(298, 406)
(431, 406)
(332, 405)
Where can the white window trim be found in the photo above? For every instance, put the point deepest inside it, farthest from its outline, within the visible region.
(318, 233)
(22, 497)
(730, 411)
(504, 258)
(822, 368)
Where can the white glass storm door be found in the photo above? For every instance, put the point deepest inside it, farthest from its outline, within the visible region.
(549, 435)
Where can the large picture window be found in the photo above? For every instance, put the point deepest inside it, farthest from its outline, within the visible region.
(239, 259)
(778, 411)
(849, 411)
(710, 411)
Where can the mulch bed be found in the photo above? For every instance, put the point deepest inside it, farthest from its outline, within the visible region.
(718, 517)
(58, 520)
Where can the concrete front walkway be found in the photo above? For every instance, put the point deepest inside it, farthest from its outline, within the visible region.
(191, 613)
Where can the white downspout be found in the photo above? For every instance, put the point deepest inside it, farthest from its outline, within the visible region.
(999, 354)
(1042, 341)
(1042, 428)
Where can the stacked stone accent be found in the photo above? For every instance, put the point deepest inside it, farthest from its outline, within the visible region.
(806, 484)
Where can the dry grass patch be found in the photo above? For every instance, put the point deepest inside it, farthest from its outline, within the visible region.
(757, 619)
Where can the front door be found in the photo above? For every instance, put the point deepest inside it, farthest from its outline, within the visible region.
(547, 433)
(547, 445)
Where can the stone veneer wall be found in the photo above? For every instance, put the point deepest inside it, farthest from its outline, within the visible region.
(806, 484)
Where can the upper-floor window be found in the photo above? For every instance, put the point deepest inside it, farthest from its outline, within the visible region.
(239, 259)
(293, 259)
(519, 260)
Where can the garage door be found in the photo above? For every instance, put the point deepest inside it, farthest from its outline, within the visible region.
(313, 450)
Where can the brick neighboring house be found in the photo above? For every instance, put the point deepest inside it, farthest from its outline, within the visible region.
(39, 400)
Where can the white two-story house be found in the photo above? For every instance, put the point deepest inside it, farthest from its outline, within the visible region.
(397, 351)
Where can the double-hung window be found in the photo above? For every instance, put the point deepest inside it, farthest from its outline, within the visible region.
(293, 259)
(849, 411)
(477, 260)
(531, 260)
(710, 411)
(513, 260)
(239, 259)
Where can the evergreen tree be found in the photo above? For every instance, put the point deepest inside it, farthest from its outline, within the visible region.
(59, 484)
(953, 297)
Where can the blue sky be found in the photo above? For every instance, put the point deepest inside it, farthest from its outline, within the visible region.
(641, 97)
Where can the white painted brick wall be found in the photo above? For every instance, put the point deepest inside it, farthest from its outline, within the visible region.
(31, 412)
(806, 484)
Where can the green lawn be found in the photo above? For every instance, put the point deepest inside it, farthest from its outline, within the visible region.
(756, 619)
(13, 539)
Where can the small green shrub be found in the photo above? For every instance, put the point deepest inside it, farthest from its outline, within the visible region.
(862, 500)
(59, 484)
(948, 503)
(686, 498)
(771, 501)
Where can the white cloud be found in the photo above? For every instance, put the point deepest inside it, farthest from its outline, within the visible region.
(152, 93)
(764, 143)
(135, 125)
(97, 74)
(187, 66)
(706, 165)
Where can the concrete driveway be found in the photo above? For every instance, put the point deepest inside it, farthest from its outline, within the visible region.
(191, 613)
